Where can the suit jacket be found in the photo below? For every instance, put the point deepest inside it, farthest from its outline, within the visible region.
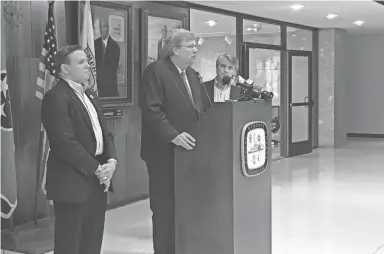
(72, 162)
(167, 109)
(106, 67)
(209, 92)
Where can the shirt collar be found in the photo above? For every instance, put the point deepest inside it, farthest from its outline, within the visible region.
(77, 87)
(106, 40)
(177, 67)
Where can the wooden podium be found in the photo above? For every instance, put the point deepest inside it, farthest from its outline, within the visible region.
(219, 208)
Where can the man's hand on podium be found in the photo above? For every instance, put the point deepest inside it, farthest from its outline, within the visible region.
(185, 140)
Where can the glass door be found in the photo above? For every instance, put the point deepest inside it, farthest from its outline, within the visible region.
(299, 103)
(261, 63)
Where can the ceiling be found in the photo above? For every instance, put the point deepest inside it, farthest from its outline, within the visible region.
(313, 14)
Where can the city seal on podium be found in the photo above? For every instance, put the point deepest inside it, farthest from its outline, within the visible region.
(254, 148)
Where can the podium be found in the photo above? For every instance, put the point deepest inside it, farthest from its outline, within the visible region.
(222, 190)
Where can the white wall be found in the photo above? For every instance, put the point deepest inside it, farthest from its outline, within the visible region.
(365, 83)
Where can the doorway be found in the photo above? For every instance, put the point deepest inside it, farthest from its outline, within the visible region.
(299, 102)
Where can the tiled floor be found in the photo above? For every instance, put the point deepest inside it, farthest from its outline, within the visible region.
(327, 202)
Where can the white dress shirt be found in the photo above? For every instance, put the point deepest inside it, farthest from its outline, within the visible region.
(221, 94)
(105, 41)
(80, 92)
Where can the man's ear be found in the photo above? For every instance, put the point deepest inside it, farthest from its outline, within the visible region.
(174, 50)
(64, 68)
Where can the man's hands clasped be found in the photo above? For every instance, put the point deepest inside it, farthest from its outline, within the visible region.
(185, 140)
(105, 172)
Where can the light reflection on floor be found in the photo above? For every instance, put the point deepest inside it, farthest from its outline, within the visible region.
(327, 202)
(330, 201)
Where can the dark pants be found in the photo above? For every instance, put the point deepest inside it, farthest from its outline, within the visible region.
(79, 227)
(161, 197)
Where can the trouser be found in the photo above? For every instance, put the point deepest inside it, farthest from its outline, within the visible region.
(161, 197)
(79, 227)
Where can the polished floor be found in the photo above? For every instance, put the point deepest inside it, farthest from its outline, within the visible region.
(327, 202)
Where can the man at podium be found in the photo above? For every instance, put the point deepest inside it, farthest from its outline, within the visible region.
(170, 100)
(216, 91)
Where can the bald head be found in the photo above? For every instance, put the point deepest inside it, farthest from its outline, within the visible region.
(104, 28)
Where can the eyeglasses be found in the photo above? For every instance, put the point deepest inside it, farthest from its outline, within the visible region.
(189, 46)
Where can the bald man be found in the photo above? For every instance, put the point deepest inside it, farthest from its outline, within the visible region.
(107, 53)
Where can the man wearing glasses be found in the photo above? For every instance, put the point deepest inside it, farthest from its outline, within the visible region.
(170, 100)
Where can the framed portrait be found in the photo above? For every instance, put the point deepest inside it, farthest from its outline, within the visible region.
(112, 29)
(155, 26)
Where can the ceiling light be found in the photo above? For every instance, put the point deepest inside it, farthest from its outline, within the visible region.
(211, 23)
(254, 29)
(332, 16)
(297, 7)
(358, 22)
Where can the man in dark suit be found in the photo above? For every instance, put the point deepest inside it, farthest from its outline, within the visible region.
(160, 43)
(216, 91)
(82, 158)
(107, 55)
(170, 100)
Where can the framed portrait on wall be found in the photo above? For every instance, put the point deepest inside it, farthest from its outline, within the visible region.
(112, 29)
(156, 26)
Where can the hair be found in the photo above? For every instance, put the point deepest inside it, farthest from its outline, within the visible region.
(232, 59)
(175, 38)
(62, 54)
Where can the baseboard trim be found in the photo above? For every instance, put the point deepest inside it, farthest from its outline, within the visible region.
(364, 135)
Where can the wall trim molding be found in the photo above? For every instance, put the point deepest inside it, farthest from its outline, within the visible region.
(364, 135)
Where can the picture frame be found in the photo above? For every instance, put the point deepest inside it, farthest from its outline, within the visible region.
(112, 28)
(155, 26)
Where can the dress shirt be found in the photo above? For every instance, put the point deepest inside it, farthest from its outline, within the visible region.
(105, 41)
(80, 92)
(221, 94)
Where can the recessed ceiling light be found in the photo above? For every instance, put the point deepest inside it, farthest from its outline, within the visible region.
(332, 16)
(211, 23)
(358, 22)
(297, 7)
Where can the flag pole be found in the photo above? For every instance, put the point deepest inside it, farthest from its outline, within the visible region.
(38, 174)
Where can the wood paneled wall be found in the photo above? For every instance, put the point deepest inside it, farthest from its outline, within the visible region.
(24, 43)
(23, 53)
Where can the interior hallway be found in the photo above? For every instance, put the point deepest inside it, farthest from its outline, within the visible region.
(330, 201)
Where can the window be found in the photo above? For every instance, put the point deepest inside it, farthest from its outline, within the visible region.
(299, 39)
(216, 34)
(258, 32)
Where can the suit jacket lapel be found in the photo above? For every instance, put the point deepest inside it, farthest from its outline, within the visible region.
(79, 105)
(96, 105)
(180, 83)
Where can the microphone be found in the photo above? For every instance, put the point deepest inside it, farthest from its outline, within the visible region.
(205, 89)
(249, 86)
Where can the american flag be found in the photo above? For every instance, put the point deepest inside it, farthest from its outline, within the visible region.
(46, 64)
(45, 80)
